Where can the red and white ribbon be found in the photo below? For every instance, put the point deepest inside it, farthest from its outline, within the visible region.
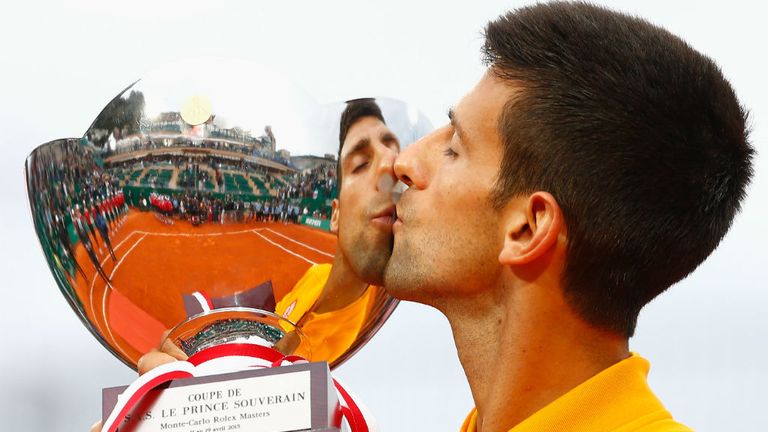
(228, 358)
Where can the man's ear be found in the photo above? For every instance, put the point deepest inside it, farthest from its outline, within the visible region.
(533, 226)
(335, 216)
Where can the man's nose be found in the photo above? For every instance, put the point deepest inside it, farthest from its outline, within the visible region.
(404, 166)
(385, 170)
(410, 166)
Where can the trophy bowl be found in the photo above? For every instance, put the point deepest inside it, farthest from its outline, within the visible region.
(203, 204)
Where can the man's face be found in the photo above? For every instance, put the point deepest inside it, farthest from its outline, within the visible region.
(364, 213)
(448, 236)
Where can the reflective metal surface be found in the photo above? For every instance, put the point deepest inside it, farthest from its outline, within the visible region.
(212, 185)
(237, 325)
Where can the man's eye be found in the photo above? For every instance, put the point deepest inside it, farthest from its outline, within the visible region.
(360, 167)
(450, 152)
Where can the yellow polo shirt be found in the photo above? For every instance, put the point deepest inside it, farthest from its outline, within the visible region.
(617, 399)
(330, 334)
(298, 301)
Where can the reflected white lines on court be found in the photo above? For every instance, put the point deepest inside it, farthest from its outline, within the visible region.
(109, 287)
(93, 282)
(284, 248)
(300, 243)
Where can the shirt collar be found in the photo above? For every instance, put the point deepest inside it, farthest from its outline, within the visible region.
(614, 398)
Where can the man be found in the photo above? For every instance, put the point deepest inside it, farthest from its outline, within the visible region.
(598, 161)
(332, 302)
(62, 234)
(101, 225)
(82, 233)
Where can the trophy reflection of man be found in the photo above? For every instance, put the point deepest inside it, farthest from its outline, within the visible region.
(332, 301)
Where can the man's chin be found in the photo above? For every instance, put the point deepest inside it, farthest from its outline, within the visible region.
(400, 280)
(406, 293)
(371, 269)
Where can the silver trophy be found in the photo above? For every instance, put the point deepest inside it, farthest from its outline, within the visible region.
(207, 204)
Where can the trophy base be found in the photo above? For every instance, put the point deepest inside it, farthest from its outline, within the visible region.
(298, 397)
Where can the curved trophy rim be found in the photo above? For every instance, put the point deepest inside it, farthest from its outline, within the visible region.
(219, 311)
(104, 109)
(236, 309)
(387, 311)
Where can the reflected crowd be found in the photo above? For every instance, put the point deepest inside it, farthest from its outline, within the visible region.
(198, 208)
(75, 202)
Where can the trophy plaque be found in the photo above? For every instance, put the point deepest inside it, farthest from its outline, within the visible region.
(204, 208)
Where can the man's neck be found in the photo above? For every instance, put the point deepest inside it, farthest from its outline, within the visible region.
(521, 348)
(342, 288)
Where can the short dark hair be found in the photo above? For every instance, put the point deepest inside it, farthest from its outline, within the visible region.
(354, 111)
(638, 136)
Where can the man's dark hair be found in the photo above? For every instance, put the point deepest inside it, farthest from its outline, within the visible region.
(638, 136)
(354, 111)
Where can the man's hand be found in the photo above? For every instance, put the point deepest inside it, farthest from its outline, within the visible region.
(153, 359)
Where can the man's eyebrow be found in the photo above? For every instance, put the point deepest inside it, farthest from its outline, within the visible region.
(359, 146)
(389, 138)
(456, 125)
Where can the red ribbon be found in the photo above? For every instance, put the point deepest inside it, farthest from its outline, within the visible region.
(142, 391)
(351, 411)
(237, 349)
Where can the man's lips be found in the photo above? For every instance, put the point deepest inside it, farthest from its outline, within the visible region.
(386, 216)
